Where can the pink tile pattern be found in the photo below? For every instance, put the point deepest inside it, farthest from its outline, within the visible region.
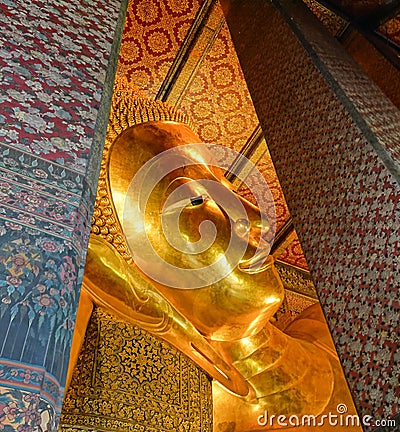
(334, 140)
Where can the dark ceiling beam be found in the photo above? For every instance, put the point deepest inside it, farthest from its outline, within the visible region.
(370, 22)
(368, 28)
(282, 235)
(245, 153)
(385, 14)
(385, 46)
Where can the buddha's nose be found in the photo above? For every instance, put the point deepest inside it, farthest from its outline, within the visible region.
(254, 224)
(255, 228)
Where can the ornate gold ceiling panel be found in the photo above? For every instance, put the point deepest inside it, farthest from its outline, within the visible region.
(218, 100)
(294, 254)
(391, 30)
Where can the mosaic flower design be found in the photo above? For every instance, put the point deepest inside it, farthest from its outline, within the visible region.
(40, 281)
(25, 412)
(53, 62)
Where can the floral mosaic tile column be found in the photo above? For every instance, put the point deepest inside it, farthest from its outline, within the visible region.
(57, 62)
(334, 139)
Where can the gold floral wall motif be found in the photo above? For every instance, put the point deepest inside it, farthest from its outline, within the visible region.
(218, 100)
(154, 31)
(128, 380)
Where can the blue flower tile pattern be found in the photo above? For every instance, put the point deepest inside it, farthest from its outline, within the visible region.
(53, 65)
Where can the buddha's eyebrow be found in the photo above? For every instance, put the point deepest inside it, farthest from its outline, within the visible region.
(194, 201)
(197, 200)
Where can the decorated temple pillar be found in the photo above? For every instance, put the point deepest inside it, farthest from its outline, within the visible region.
(57, 65)
(334, 140)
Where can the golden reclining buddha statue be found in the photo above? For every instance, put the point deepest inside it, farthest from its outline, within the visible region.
(220, 318)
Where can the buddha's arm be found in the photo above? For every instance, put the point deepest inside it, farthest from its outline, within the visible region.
(116, 285)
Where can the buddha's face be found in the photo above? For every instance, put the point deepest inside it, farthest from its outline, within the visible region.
(191, 233)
